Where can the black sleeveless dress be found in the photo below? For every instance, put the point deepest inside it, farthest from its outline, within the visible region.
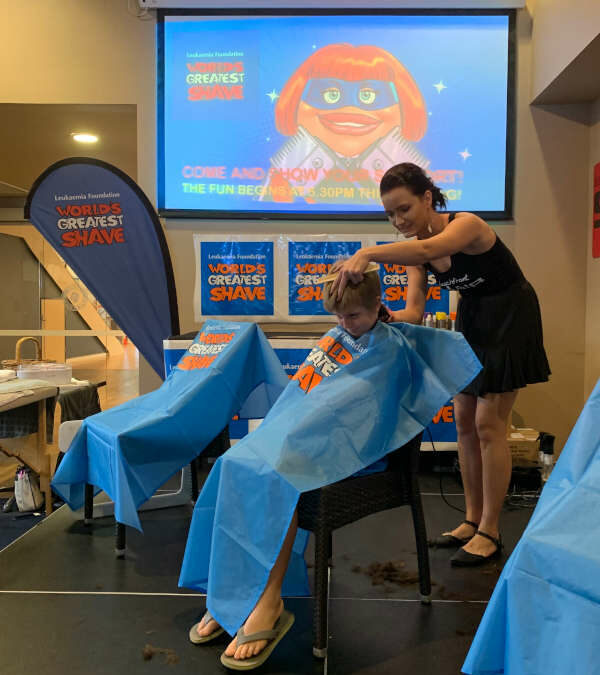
(499, 315)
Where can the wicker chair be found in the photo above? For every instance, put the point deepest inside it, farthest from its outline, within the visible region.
(324, 510)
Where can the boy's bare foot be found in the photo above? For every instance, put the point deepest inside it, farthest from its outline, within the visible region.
(262, 617)
(205, 628)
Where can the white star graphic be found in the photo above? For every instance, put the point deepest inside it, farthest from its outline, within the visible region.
(273, 95)
(465, 154)
(440, 86)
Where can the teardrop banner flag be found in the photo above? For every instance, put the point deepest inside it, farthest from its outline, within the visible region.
(104, 227)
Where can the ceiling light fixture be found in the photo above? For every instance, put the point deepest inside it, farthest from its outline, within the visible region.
(84, 138)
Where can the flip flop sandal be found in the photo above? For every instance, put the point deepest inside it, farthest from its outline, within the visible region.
(450, 541)
(281, 627)
(199, 639)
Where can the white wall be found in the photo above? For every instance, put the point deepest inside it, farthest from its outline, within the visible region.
(82, 51)
(562, 29)
(552, 147)
(592, 332)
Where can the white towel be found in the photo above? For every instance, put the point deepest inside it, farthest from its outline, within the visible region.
(13, 396)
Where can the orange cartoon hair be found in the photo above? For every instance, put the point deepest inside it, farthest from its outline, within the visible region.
(348, 62)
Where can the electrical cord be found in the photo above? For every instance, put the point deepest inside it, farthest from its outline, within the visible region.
(514, 499)
(443, 496)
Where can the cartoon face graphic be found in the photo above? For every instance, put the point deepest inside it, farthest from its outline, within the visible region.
(349, 97)
(349, 116)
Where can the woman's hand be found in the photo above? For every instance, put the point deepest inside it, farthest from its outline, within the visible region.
(350, 270)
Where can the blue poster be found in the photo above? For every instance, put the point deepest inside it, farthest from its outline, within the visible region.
(103, 226)
(236, 278)
(394, 285)
(308, 262)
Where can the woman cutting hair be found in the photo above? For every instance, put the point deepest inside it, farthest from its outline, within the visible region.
(498, 314)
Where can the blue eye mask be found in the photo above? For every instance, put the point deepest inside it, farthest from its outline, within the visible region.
(328, 93)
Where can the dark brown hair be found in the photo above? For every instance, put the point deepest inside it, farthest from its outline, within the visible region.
(415, 179)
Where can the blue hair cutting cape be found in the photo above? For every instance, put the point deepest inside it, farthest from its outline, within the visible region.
(349, 404)
(544, 614)
(131, 450)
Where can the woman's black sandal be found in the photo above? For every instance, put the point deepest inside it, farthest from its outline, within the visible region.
(450, 541)
(463, 558)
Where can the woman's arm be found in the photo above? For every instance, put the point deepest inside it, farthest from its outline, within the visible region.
(456, 236)
(415, 297)
(459, 234)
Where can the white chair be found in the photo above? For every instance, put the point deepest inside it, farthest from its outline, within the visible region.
(67, 432)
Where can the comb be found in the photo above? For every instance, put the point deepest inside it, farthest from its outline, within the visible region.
(371, 267)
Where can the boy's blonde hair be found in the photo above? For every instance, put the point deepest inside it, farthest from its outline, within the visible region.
(366, 293)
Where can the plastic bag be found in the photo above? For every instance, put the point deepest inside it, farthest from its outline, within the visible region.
(27, 490)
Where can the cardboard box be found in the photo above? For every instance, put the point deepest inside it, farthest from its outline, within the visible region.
(524, 446)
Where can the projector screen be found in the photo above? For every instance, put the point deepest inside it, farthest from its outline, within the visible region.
(299, 115)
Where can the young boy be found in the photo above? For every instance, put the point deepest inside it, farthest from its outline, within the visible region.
(360, 305)
(321, 429)
(357, 313)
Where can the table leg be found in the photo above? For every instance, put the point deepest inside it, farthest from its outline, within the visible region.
(45, 488)
(44, 469)
(35, 451)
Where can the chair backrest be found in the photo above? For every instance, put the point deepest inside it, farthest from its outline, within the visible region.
(66, 433)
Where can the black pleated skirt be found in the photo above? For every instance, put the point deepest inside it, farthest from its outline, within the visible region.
(505, 332)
